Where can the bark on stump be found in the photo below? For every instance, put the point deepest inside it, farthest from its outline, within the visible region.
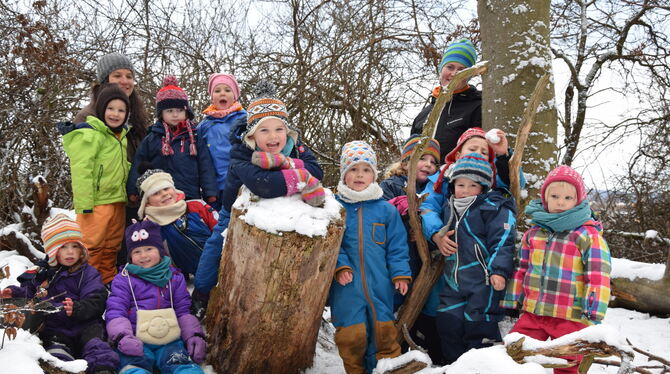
(265, 315)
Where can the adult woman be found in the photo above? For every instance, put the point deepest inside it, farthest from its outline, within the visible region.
(464, 111)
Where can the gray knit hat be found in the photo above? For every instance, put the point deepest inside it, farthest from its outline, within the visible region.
(110, 62)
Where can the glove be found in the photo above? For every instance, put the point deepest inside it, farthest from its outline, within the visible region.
(300, 180)
(401, 204)
(130, 345)
(65, 127)
(197, 348)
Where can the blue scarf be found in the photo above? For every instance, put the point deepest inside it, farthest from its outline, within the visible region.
(158, 274)
(556, 222)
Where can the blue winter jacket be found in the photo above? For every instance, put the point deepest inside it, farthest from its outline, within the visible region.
(216, 134)
(374, 248)
(194, 175)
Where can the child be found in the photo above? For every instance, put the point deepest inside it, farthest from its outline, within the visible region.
(373, 261)
(185, 225)
(475, 273)
(173, 145)
(77, 330)
(267, 158)
(424, 330)
(562, 282)
(97, 152)
(221, 117)
(147, 316)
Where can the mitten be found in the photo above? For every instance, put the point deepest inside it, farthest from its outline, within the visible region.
(192, 334)
(130, 345)
(267, 160)
(6, 293)
(401, 204)
(121, 332)
(300, 180)
(197, 348)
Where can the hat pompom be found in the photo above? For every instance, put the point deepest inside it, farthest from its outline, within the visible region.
(265, 88)
(170, 80)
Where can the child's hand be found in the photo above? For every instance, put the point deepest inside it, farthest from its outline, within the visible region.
(130, 345)
(344, 277)
(500, 148)
(447, 246)
(401, 285)
(267, 160)
(133, 198)
(68, 305)
(6, 293)
(498, 282)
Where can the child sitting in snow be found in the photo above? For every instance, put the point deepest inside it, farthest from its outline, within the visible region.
(476, 270)
(268, 159)
(77, 330)
(373, 261)
(148, 319)
(185, 225)
(562, 282)
(174, 146)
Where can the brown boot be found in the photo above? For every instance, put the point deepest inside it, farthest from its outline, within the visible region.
(385, 338)
(351, 342)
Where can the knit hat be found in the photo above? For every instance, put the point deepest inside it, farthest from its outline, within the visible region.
(144, 233)
(473, 166)
(56, 232)
(355, 152)
(564, 173)
(110, 62)
(264, 106)
(461, 51)
(227, 79)
(450, 158)
(172, 96)
(432, 147)
(152, 181)
(107, 93)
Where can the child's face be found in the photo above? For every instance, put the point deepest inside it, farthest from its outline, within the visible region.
(474, 145)
(270, 135)
(145, 256)
(69, 254)
(222, 96)
(124, 78)
(464, 187)
(426, 167)
(115, 113)
(560, 196)
(359, 176)
(173, 116)
(164, 197)
(449, 71)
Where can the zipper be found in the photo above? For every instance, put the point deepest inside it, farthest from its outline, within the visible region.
(99, 177)
(480, 259)
(187, 237)
(361, 258)
(544, 265)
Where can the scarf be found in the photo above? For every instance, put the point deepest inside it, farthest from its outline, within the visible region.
(158, 274)
(220, 113)
(463, 203)
(372, 192)
(166, 147)
(165, 215)
(556, 222)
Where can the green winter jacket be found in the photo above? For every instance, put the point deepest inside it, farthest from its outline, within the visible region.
(98, 164)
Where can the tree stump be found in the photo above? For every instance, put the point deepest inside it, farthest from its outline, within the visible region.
(265, 315)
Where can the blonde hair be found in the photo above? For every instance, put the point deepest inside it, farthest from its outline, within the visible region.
(563, 184)
(398, 168)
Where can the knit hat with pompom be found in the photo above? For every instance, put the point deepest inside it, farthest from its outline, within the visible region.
(265, 105)
(172, 96)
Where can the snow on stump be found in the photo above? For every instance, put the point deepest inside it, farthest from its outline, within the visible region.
(277, 264)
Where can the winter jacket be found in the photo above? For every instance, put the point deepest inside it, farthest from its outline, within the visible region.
(148, 296)
(194, 175)
(562, 274)
(215, 132)
(464, 111)
(374, 248)
(186, 236)
(83, 286)
(98, 164)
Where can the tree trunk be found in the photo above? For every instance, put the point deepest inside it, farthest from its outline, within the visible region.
(515, 41)
(643, 295)
(265, 315)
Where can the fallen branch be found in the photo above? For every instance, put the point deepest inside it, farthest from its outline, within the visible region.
(651, 356)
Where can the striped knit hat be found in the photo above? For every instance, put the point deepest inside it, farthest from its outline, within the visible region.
(355, 152)
(473, 166)
(564, 173)
(172, 96)
(56, 232)
(432, 148)
(264, 106)
(461, 51)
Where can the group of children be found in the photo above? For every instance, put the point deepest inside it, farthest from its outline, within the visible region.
(561, 281)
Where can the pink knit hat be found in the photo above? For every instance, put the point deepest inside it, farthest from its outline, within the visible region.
(564, 173)
(227, 79)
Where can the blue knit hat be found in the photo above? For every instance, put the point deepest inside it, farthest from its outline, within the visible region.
(461, 51)
(473, 166)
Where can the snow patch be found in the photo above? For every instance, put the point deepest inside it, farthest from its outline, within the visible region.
(623, 268)
(22, 354)
(388, 364)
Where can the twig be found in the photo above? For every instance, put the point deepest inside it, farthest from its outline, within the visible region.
(408, 338)
(650, 355)
(601, 361)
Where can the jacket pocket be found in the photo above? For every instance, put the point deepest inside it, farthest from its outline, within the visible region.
(379, 233)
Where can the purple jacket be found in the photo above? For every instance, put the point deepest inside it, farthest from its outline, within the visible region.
(149, 296)
(83, 286)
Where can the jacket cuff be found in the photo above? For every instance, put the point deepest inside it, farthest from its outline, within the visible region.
(402, 277)
(342, 268)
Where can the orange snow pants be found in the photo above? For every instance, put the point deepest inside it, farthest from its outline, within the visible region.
(103, 232)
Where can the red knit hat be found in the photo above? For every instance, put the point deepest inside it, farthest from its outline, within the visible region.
(564, 173)
(172, 96)
(450, 158)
